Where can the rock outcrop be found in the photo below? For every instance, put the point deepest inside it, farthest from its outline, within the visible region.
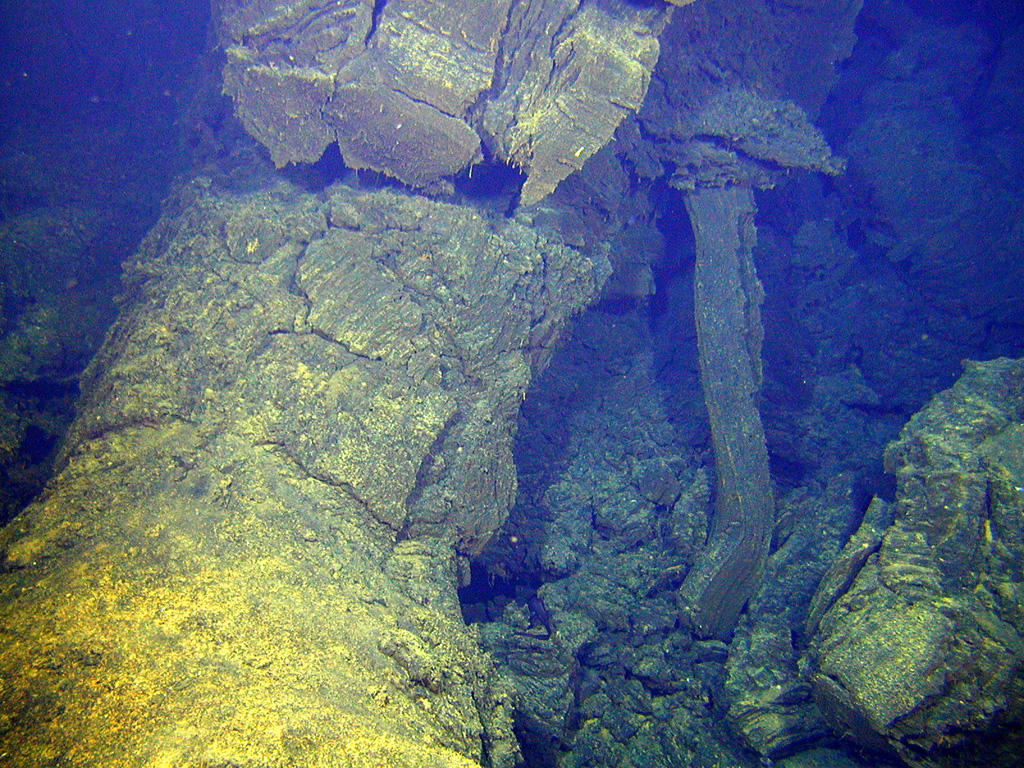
(421, 91)
(924, 655)
(300, 420)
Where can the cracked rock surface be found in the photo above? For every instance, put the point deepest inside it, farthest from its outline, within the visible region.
(233, 561)
(419, 91)
(923, 654)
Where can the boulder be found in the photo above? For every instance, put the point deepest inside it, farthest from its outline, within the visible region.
(419, 91)
(923, 655)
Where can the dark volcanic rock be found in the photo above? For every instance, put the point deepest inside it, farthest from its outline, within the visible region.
(251, 552)
(415, 90)
(924, 653)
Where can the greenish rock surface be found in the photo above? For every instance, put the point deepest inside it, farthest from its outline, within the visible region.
(923, 654)
(294, 432)
(727, 299)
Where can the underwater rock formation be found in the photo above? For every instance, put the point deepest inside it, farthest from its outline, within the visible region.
(229, 567)
(300, 431)
(722, 137)
(924, 653)
(419, 90)
(728, 300)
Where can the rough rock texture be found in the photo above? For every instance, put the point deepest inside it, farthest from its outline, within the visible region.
(940, 113)
(722, 136)
(847, 564)
(641, 690)
(735, 91)
(49, 328)
(573, 71)
(230, 567)
(731, 106)
(768, 697)
(788, 51)
(611, 519)
(727, 300)
(80, 184)
(921, 138)
(924, 653)
(412, 88)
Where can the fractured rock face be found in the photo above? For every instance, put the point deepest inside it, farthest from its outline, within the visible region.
(417, 90)
(250, 554)
(924, 654)
(566, 91)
